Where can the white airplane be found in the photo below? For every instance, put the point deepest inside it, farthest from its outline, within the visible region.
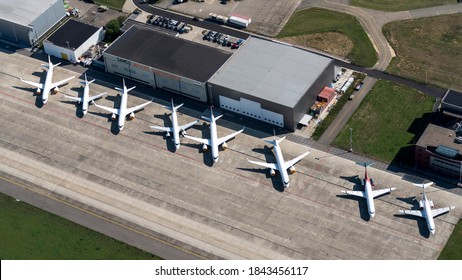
(280, 164)
(214, 141)
(368, 193)
(48, 85)
(123, 111)
(175, 129)
(86, 98)
(427, 212)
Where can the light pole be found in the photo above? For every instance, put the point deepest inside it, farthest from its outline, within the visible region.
(68, 45)
(351, 139)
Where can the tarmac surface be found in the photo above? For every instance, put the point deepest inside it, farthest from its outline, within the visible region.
(230, 209)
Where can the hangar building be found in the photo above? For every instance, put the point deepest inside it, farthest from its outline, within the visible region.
(72, 39)
(23, 22)
(271, 82)
(265, 80)
(161, 60)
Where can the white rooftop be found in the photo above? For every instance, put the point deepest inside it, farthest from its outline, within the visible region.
(272, 71)
(23, 12)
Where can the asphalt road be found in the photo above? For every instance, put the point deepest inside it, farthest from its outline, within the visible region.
(52, 203)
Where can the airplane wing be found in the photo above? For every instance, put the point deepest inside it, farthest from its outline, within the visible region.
(295, 160)
(264, 164)
(226, 138)
(37, 85)
(186, 126)
(57, 84)
(96, 96)
(136, 108)
(440, 211)
(112, 110)
(376, 193)
(355, 193)
(417, 213)
(162, 128)
(203, 141)
(73, 98)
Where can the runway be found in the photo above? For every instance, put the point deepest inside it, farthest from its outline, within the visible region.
(230, 209)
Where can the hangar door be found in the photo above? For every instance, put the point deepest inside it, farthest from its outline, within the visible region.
(251, 109)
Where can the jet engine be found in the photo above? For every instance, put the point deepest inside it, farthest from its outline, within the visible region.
(113, 117)
(205, 148)
(431, 204)
(224, 146)
(131, 116)
(292, 170)
(38, 91)
(272, 172)
(55, 90)
(363, 182)
(372, 182)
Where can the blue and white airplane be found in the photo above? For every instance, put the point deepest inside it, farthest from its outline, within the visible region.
(280, 164)
(214, 141)
(368, 193)
(426, 209)
(123, 111)
(48, 86)
(175, 130)
(86, 98)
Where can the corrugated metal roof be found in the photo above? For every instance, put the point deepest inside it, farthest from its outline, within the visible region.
(272, 71)
(74, 33)
(25, 11)
(446, 151)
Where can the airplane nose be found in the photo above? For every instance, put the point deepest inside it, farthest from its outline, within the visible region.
(215, 159)
(44, 101)
(177, 146)
(432, 231)
(286, 184)
(84, 112)
(372, 215)
(121, 127)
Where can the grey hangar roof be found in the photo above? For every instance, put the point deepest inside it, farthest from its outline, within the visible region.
(73, 32)
(453, 97)
(166, 52)
(272, 71)
(23, 12)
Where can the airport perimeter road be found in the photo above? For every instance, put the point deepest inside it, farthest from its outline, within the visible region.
(90, 218)
(230, 209)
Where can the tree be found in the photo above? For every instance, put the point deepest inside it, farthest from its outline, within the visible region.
(113, 29)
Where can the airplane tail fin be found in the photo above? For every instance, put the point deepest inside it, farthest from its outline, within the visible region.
(178, 107)
(365, 164)
(424, 186)
(87, 82)
(132, 88)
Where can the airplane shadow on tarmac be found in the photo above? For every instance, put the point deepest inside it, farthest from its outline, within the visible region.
(269, 157)
(421, 222)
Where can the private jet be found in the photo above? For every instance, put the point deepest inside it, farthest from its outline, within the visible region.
(123, 111)
(86, 98)
(214, 141)
(368, 193)
(426, 209)
(280, 164)
(48, 86)
(175, 130)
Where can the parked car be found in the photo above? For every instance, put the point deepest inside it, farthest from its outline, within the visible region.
(358, 86)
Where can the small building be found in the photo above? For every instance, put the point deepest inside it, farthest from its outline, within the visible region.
(451, 104)
(162, 60)
(24, 22)
(327, 95)
(439, 149)
(271, 82)
(72, 40)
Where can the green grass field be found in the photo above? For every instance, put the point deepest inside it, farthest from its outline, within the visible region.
(453, 249)
(428, 50)
(29, 233)
(386, 121)
(315, 20)
(399, 5)
(114, 4)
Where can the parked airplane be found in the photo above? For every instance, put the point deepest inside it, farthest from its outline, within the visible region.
(280, 164)
(123, 111)
(175, 129)
(368, 193)
(214, 142)
(48, 85)
(86, 98)
(426, 209)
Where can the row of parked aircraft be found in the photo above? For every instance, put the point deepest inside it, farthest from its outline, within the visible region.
(214, 142)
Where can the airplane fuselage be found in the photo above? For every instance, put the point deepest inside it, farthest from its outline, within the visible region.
(369, 197)
(426, 213)
(175, 129)
(46, 86)
(213, 140)
(281, 165)
(85, 98)
(122, 109)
